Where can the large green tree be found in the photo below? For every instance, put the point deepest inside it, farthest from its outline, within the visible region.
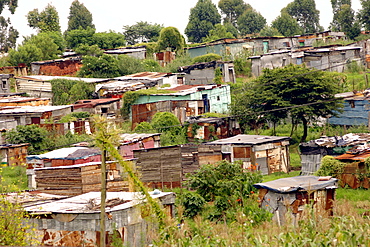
(105, 66)
(44, 21)
(170, 37)
(142, 31)
(219, 32)
(251, 22)
(302, 93)
(232, 9)
(109, 40)
(202, 19)
(77, 37)
(69, 91)
(12, 5)
(364, 14)
(345, 21)
(8, 35)
(79, 17)
(336, 5)
(286, 25)
(305, 12)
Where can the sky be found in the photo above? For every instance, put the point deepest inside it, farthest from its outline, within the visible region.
(114, 14)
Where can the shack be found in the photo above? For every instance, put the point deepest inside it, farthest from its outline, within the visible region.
(267, 154)
(60, 157)
(103, 107)
(57, 67)
(13, 154)
(212, 128)
(78, 179)
(137, 141)
(287, 196)
(166, 166)
(356, 173)
(313, 151)
(75, 221)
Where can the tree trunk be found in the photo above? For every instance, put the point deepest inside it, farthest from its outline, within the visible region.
(291, 132)
(305, 129)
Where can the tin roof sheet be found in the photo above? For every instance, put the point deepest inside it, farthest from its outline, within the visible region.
(292, 184)
(250, 139)
(31, 109)
(49, 78)
(71, 153)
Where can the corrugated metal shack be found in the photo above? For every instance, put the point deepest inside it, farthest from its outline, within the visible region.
(57, 67)
(60, 157)
(356, 109)
(75, 221)
(104, 107)
(356, 173)
(131, 142)
(78, 179)
(166, 167)
(267, 154)
(286, 195)
(212, 128)
(182, 109)
(313, 151)
(13, 154)
(204, 73)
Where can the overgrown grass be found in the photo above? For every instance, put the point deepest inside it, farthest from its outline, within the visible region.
(13, 178)
(278, 175)
(358, 198)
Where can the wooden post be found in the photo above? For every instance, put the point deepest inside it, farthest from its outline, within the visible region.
(103, 196)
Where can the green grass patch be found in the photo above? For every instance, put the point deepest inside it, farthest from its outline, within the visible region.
(278, 175)
(13, 178)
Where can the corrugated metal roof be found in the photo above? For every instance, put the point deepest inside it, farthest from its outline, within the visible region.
(305, 183)
(20, 99)
(128, 138)
(71, 153)
(87, 203)
(354, 156)
(91, 103)
(49, 78)
(250, 139)
(31, 109)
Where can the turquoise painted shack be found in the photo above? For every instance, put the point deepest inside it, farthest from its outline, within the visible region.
(216, 98)
(356, 109)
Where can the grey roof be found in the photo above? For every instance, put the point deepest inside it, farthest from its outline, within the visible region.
(303, 183)
(70, 153)
(134, 137)
(90, 202)
(250, 139)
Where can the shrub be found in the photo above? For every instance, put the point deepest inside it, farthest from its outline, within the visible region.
(330, 167)
(207, 58)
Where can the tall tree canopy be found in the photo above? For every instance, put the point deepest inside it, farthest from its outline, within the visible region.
(302, 93)
(203, 17)
(232, 9)
(286, 25)
(142, 31)
(251, 22)
(44, 21)
(336, 5)
(170, 37)
(219, 32)
(8, 35)
(345, 21)
(12, 5)
(305, 12)
(79, 17)
(364, 14)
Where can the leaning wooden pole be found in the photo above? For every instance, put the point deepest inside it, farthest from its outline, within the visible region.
(103, 196)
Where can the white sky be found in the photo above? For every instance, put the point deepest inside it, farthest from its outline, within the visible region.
(114, 14)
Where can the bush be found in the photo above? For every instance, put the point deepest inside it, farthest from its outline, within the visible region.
(207, 58)
(330, 167)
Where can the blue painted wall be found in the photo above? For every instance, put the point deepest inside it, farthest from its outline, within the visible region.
(359, 115)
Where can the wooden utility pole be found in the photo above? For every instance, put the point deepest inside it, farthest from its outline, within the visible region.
(103, 196)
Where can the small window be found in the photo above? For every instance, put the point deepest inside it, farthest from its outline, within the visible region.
(218, 98)
(104, 110)
(299, 60)
(4, 84)
(352, 103)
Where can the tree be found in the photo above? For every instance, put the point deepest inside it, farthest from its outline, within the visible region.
(170, 37)
(129, 65)
(269, 31)
(36, 136)
(336, 6)
(364, 14)
(79, 17)
(45, 21)
(219, 32)
(77, 37)
(286, 25)
(12, 5)
(168, 124)
(8, 35)
(89, 50)
(104, 66)
(69, 91)
(142, 31)
(305, 12)
(46, 43)
(202, 19)
(251, 22)
(302, 93)
(345, 22)
(109, 40)
(232, 10)
(26, 54)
